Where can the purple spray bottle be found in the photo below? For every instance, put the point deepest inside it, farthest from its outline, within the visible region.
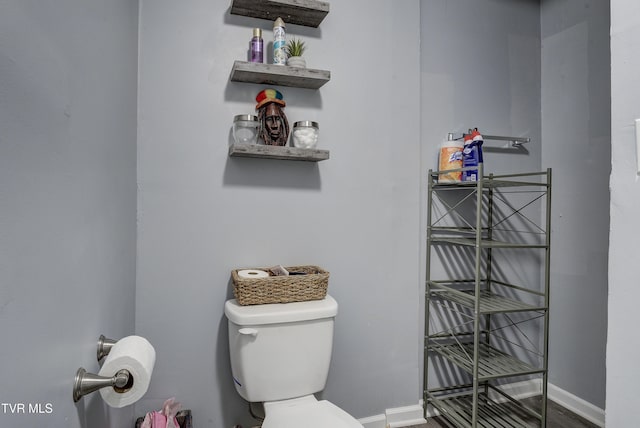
(257, 46)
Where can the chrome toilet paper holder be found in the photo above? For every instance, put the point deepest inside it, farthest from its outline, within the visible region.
(104, 346)
(86, 383)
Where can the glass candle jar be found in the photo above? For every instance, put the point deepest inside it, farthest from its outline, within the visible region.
(245, 129)
(305, 134)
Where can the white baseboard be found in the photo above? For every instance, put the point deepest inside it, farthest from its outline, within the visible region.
(577, 405)
(377, 421)
(519, 390)
(396, 417)
(413, 415)
(405, 416)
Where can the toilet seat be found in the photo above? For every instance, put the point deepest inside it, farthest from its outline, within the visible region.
(306, 412)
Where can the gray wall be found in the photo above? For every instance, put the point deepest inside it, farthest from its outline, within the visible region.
(202, 214)
(540, 70)
(577, 145)
(623, 342)
(68, 187)
(480, 67)
(67, 201)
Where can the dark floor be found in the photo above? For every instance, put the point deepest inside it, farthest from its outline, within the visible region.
(557, 417)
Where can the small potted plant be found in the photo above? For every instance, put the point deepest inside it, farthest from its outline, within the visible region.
(295, 48)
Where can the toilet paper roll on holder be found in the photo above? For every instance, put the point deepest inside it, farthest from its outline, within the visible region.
(86, 383)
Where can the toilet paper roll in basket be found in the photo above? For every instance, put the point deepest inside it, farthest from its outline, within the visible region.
(135, 354)
(252, 273)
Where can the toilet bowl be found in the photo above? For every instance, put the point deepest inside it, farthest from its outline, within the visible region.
(306, 412)
(280, 356)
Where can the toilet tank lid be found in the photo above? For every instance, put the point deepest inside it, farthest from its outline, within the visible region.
(275, 313)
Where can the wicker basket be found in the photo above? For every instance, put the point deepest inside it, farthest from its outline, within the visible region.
(281, 289)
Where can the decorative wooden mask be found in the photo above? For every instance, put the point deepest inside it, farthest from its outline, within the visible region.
(274, 126)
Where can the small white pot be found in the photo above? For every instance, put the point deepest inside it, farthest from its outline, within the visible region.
(297, 61)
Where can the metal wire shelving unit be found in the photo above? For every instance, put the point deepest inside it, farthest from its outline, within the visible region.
(486, 317)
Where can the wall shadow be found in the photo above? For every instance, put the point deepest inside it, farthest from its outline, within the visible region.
(276, 173)
(236, 410)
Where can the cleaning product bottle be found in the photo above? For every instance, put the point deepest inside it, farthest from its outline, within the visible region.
(279, 53)
(467, 158)
(478, 140)
(450, 157)
(472, 155)
(257, 46)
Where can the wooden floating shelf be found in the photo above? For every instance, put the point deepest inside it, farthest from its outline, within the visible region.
(277, 152)
(278, 75)
(309, 13)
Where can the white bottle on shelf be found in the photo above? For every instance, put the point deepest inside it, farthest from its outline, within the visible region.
(279, 41)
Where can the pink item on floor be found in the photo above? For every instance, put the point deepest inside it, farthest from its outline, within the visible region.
(166, 418)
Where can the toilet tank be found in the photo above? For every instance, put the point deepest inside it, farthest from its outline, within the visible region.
(280, 351)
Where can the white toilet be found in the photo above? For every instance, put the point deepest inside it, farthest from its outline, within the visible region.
(280, 356)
